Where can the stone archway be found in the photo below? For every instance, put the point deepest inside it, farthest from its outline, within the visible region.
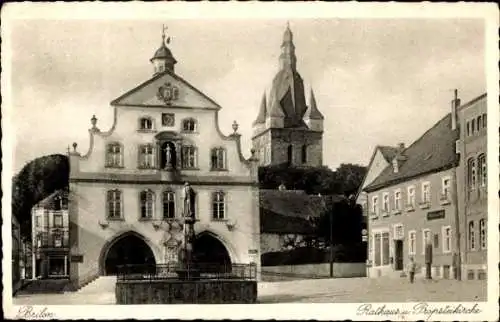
(129, 248)
(209, 251)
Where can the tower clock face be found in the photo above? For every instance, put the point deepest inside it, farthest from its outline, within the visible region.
(168, 119)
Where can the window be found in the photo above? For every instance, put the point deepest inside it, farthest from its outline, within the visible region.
(114, 155)
(146, 156)
(473, 126)
(188, 156)
(189, 125)
(436, 240)
(385, 248)
(446, 239)
(147, 204)
(46, 222)
(304, 153)
(397, 200)
(218, 205)
(168, 205)
(481, 167)
(482, 233)
(146, 123)
(445, 188)
(411, 196)
(114, 198)
(385, 202)
(484, 121)
(375, 205)
(426, 192)
(468, 128)
(398, 232)
(412, 242)
(218, 157)
(471, 233)
(38, 220)
(290, 155)
(57, 238)
(381, 249)
(58, 220)
(426, 239)
(471, 173)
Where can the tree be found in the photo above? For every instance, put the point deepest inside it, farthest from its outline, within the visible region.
(341, 223)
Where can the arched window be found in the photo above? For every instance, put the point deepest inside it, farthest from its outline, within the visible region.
(468, 128)
(168, 205)
(189, 157)
(473, 126)
(472, 236)
(189, 125)
(146, 156)
(289, 154)
(147, 204)
(218, 159)
(484, 121)
(146, 124)
(481, 169)
(114, 201)
(218, 201)
(482, 233)
(304, 153)
(114, 155)
(471, 173)
(479, 123)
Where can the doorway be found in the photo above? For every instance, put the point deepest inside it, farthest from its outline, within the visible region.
(398, 255)
(209, 252)
(129, 250)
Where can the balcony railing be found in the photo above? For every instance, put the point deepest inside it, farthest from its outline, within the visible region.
(425, 204)
(205, 271)
(410, 207)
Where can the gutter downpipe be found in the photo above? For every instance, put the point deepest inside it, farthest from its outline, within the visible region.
(458, 267)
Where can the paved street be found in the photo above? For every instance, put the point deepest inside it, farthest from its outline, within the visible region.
(312, 291)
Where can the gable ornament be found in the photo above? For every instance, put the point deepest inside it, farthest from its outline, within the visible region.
(168, 93)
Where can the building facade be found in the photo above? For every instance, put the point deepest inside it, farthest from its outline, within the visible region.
(127, 190)
(50, 236)
(287, 130)
(412, 205)
(473, 191)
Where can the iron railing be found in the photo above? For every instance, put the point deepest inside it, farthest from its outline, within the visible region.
(205, 271)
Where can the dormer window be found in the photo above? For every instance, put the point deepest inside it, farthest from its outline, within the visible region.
(146, 124)
(395, 165)
(189, 125)
(114, 155)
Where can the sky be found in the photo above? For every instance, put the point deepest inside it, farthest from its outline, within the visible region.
(376, 81)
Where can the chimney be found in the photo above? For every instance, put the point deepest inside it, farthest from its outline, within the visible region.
(454, 108)
(395, 165)
(401, 146)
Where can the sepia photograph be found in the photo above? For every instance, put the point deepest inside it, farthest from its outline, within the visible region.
(248, 157)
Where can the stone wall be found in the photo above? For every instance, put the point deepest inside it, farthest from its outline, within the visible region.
(322, 270)
(187, 292)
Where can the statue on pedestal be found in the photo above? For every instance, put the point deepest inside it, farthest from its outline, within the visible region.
(168, 157)
(189, 221)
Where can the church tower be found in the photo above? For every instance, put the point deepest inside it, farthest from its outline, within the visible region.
(287, 130)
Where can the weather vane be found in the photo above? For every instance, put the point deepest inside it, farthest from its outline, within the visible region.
(164, 28)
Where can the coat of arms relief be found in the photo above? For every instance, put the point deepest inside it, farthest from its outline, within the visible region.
(168, 93)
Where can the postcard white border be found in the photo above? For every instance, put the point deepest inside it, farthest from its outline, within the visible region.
(177, 10)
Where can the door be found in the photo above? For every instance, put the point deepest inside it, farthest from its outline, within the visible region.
(398, 254)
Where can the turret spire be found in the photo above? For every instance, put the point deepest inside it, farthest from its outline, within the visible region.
(261, 117)
(163, 59)
(287, 57)
(312, 112)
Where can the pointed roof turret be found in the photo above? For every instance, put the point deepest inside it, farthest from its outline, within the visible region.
(312, 111)
(287, 57)
(261, 117)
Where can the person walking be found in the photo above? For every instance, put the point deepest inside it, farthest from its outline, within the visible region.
(411, 269)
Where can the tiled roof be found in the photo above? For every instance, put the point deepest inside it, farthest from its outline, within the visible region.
(50, 201)
(433, 151)
(388, 152)
(288, 211)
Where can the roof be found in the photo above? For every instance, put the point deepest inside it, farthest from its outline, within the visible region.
(289, 211)
(434, 151)
(163, 53)
(50, 201)
(312, 112)
(388, 152)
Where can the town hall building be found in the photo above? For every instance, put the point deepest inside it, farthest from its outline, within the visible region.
(126, 201)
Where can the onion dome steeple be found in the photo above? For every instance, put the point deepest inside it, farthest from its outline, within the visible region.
(163, 59)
